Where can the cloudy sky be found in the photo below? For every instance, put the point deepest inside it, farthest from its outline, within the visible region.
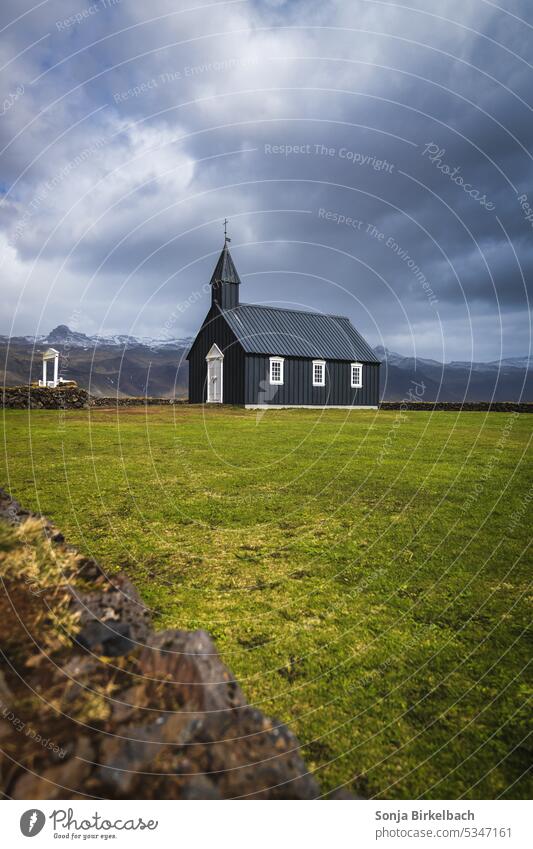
(374, 159)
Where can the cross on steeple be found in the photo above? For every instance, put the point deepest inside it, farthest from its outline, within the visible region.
(226, 237)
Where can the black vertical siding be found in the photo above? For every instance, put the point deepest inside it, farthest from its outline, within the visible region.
(215, 330)
(298, 386)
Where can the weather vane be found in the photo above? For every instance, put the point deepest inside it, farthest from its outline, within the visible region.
(226, 237)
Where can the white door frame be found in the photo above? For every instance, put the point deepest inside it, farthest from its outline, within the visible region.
(215, 356)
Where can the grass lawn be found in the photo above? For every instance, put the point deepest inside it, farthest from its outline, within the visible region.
(365, 574)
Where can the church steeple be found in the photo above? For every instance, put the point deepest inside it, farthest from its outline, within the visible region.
(225, 281)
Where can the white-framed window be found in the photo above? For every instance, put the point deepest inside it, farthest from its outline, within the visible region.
(319, 373)
(276, 370)
(356, 370)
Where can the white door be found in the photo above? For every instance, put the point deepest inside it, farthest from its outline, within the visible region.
(214, 380)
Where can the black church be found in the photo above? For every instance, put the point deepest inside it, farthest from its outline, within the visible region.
(261, 356)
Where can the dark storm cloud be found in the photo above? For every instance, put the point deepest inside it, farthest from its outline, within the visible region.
(370, 157)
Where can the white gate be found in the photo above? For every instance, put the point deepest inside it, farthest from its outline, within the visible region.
(215, 365)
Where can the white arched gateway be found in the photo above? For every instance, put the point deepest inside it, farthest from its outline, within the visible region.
(50, 354)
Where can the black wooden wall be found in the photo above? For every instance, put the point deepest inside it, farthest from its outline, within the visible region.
(215, 330)
(298, 386)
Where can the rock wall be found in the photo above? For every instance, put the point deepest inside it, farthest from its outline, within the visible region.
(68, 398)
(94, 703)
(466, 406)
(33, 397)
(24, 397)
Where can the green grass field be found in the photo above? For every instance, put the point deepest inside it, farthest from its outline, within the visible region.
(365, 574)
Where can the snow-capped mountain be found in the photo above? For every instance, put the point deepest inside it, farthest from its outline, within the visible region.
(128, 365)
(394, 359)
(105, 365)
(509, 379)
(63, 336)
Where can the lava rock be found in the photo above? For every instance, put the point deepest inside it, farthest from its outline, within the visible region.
(106, 640)
(125, 712)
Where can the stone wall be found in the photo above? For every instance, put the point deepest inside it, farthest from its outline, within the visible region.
(68, 398)
(458, 406)
(62, 398)
(96, 704)
(24, 397)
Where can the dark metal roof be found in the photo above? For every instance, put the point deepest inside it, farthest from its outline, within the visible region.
(294, 333)
(225, 271)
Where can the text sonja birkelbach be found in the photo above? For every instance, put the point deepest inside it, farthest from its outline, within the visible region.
(423, 815)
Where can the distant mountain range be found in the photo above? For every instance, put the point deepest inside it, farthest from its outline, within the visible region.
(509, 379)
(127, 365)
(106, 366)
(63, 335)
